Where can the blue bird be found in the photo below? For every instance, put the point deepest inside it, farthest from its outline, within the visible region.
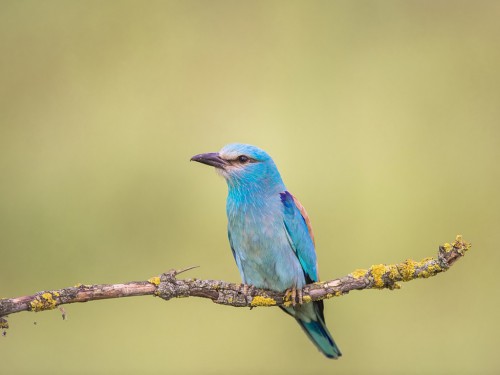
(270, 234)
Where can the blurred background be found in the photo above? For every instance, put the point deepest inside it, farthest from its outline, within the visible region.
(383, 118)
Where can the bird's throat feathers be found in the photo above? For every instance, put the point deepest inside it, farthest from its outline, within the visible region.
(256, 181)
(251, 181)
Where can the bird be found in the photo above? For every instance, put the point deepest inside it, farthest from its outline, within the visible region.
(270, 234)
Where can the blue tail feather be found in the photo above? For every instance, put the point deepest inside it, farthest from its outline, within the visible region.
(316, 329)
(319, 335)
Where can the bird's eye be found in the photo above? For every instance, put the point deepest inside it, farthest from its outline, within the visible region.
(243, 158)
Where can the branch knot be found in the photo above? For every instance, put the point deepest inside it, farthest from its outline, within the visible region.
(450, 253)
(170, 287)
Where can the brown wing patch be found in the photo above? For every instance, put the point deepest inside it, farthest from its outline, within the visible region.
(304, 214)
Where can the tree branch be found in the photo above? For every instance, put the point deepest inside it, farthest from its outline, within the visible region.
(166, 286)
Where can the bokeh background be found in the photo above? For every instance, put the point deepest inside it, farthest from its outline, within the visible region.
(383, 117)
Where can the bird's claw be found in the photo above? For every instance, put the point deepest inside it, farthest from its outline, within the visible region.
(300, 295)
(294, 295)
(247, 291)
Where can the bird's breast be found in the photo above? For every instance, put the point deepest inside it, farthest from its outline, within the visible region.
(262, 249)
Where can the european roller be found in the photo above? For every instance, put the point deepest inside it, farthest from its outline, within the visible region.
(270, 234)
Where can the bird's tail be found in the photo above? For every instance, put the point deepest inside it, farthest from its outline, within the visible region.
(319, 335)
(315, 328)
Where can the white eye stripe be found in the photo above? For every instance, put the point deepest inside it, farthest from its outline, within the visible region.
(235, 157)
(229, 155)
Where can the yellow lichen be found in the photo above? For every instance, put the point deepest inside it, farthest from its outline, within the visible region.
(36, 305)
(337, 293)
(306, 299)
(154, 280)
(407, 269)
(44, 302)
(80, 285)
(393, 273)
(263, 301)
(460, 244)
(287, 300)
(447, 247)
(377, 272)
(359, 273)
(431, 270)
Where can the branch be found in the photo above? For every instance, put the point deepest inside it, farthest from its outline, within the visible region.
(166, 286)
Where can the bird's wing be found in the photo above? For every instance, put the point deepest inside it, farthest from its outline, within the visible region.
(305, 216)
(236, 257)
(299, 231)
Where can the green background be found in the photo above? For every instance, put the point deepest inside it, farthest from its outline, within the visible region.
(383, 117)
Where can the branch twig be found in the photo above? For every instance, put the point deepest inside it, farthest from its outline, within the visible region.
(166, 286)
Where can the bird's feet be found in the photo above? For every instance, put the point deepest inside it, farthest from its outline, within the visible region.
(294, 295)
(247, 291)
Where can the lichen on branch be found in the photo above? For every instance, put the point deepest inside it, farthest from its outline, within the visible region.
(167, 286)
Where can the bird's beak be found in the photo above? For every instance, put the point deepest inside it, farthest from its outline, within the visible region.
(211, 158)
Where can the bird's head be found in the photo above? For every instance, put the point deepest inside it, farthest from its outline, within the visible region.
(243, 166)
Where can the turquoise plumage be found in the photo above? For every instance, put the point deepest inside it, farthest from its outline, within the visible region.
(270, 233)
